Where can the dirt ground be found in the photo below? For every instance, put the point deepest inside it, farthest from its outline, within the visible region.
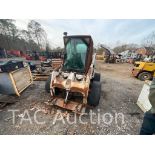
(117, 106)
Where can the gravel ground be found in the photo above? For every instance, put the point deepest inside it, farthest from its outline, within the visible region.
(117, 112)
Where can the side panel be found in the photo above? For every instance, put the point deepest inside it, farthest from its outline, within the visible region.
(143, 101)
(89, 56)
(149, 67)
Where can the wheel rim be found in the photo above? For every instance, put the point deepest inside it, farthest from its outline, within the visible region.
(146, 77)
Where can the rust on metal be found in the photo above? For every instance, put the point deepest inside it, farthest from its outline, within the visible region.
(68, 82)
(70, 105)
(55, 63)
(43, 73)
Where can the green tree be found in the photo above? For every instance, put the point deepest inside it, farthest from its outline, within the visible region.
(37, 33)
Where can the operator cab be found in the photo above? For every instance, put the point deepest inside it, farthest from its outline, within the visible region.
(78, 50)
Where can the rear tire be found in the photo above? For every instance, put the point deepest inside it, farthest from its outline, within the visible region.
(47, 84)
(94, 94)
(145, 76)
(97, 77)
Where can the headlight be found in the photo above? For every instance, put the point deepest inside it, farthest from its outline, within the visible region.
(79, 77)
(65, 75)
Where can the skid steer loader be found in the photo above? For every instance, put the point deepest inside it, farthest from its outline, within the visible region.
(75, 85)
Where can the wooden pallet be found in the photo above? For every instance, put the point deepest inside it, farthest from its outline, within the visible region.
(40, 77)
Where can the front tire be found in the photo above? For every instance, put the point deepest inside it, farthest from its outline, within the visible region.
(97, 77)
(47, 84)
(94, 94)
(145, 76)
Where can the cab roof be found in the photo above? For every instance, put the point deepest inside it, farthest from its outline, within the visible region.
(79, 36)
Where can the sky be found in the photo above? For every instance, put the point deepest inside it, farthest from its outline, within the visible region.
(111, 32)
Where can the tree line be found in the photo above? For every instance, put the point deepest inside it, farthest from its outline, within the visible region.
(147, 41)
(32, 39)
